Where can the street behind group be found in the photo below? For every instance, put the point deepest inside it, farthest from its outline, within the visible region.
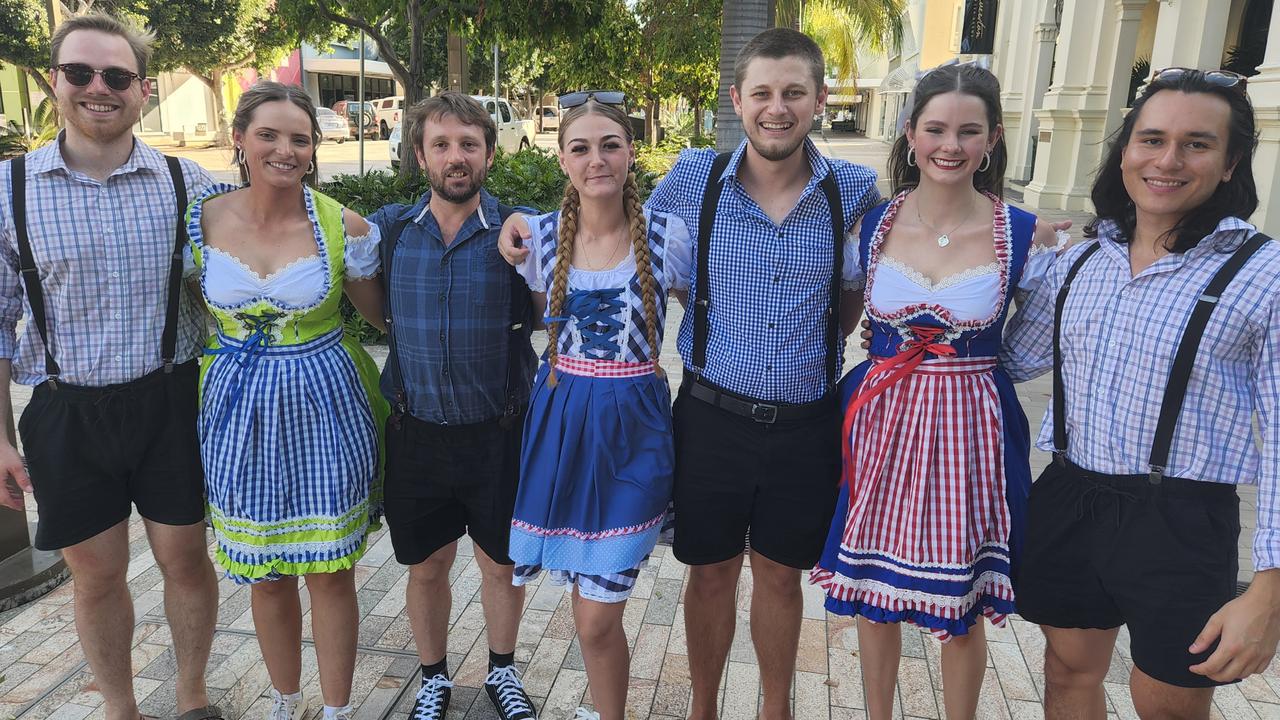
(188, 358)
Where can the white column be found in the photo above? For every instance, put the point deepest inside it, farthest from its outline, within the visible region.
(1040, 27)
(1264, 90)
(1190, 33)
(1091, 79)
(1012, 48)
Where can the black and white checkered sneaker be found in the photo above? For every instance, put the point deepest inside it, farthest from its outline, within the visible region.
(508, 695)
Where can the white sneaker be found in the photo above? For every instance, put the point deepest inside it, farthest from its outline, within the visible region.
(343, 713)
(287, 707)
(585, 714)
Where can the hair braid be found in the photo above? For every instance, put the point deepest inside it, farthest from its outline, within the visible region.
(644, 267)
(560, 277)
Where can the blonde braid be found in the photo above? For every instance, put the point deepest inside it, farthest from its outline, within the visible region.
(560, 277)
(644, 267)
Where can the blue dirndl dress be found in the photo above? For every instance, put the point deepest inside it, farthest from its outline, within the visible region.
(936, 473)
(597, 463)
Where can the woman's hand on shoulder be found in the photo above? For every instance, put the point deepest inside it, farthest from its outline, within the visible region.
(354, 225)
(511, 238)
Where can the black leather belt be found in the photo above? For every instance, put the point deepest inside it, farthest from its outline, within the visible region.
(761, 412)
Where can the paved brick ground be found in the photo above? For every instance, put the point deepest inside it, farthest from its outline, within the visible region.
(45, 674)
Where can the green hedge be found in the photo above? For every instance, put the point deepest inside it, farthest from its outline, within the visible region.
(531, 177)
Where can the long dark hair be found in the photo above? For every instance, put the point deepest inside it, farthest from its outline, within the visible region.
(969, 80)
(267, 91)
(1237, 197)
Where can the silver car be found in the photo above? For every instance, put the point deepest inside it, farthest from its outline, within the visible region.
(332, 127)
(393, 146)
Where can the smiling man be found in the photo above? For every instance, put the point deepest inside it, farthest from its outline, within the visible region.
(108, 344)
(458, 380)
(756, 421)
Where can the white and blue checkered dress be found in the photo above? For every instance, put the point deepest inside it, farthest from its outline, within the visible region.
(290, 414)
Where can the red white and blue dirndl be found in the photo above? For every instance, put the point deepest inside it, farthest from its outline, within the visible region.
(936, 475)
(597, 464)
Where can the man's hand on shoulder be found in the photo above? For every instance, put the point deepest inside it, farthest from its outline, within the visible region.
(1247, 630)
(512, 239)
(12, 466)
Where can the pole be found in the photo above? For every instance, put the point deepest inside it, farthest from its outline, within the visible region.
(495, 84)
(360, 102)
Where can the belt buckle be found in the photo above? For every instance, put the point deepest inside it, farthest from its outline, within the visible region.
(764, 413)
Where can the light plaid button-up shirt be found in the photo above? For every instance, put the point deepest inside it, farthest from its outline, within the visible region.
(103, 250)
(1119, 335)
(770, 283)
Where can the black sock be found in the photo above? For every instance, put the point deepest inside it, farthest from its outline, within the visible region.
(497, 660)
(440, 668)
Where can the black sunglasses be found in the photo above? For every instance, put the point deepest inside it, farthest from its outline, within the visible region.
(80, 75)
(604, 97)
(1217, 78)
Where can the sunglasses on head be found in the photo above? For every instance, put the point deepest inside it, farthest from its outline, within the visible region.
(80, 75)
(604, 97)
(1217, 78)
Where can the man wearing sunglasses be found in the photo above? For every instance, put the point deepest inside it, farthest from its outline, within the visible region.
(91, 234)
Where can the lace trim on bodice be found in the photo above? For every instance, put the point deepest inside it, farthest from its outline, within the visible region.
(919, 278)
(261, 279)
(899, 319)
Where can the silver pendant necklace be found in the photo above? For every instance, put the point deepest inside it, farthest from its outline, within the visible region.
(944, 238)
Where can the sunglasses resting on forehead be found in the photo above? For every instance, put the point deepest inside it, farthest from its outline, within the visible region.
(604, 97)
(80, 75)
(1217, 78)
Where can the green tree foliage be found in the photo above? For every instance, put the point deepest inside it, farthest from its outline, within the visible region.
(486, 18)
(24, 39)
(685, 39)
(843, 28)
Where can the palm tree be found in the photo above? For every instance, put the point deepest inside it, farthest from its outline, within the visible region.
(840, 27)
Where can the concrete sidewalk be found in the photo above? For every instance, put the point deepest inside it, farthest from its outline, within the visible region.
(46, 676)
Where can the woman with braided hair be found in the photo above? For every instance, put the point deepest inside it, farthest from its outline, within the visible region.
(597, 464)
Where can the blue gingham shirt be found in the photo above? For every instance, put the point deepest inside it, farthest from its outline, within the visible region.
(1119, 336)
(451, 306)
(770, 284)
(103, 250)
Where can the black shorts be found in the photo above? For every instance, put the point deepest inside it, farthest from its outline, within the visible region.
(92, 452)
(1109, 550)
(446, 480)
(736, 476)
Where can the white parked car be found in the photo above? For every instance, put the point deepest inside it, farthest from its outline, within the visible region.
(388, 111)
(548, 119)
(332, 126)
(393, 146)
(514, 132)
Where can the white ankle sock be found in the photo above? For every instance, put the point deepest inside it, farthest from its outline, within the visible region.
(332, 712)
(289, 697)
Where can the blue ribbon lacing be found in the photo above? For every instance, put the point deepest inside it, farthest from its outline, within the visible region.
(246, 354)
(596, 311)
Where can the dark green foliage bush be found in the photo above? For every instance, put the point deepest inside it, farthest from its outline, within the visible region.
(531, 178)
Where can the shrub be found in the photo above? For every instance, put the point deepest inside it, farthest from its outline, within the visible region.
(531, 177)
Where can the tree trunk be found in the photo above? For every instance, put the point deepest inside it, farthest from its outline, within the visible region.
(651, 122)
(697, 121)
(413, 84)
(222, 129)
(742, 20)
(42, 81)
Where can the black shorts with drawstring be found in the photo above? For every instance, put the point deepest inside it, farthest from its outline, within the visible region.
(1109, 550)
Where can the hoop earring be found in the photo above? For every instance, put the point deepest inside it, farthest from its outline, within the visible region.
(239, 155)
(986, 158)
(911, 156)
(311, 167)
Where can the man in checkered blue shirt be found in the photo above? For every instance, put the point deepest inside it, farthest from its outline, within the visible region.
(112, 418)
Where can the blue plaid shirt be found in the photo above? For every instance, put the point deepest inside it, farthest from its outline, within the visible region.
(770, 288)
(103, 250)
(1119, 335)
(451, 306)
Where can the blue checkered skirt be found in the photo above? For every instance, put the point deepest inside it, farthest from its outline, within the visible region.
(290, 450)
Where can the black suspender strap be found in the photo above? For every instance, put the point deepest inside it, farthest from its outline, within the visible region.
(832, 191)
(27, 265)
(1175, 390)
(1059, 393)
(169, 338)
(388, 248)
(702, 293)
